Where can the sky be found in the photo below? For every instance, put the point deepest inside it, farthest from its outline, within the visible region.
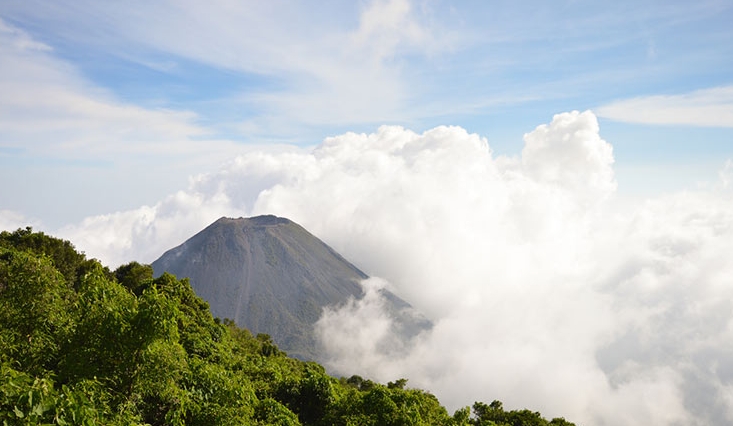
(550, 182)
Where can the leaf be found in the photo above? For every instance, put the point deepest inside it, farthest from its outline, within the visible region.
(39, 409)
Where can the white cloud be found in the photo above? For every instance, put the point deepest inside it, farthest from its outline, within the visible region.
(544, 293)
(571, 154)
(344, 337)
(11, 220)
(709, 107)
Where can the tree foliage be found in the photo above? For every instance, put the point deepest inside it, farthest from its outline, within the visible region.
(82, 345)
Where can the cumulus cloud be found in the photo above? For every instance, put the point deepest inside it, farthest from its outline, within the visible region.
(707, 107)
(570, 153)
(544, 291)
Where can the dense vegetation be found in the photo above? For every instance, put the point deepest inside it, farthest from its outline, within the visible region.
(83, 345)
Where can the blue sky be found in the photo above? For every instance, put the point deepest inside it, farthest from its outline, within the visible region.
(131, 99)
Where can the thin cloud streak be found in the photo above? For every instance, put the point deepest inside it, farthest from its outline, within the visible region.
(709, 107)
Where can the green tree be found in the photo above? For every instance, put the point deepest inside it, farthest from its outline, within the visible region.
(61, 253)
(134, 276)
(36, 306)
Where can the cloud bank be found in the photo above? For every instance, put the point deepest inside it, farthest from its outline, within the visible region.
(545, 291)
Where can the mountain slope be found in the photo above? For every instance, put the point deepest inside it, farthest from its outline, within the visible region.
(270, 275)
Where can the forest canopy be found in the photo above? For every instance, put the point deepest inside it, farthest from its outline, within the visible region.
(83, 345)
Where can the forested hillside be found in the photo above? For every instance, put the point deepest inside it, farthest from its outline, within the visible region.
(83, 345)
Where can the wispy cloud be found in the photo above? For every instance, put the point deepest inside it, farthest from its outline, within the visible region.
(707, 107)
(58, 130)
(385, 26)
(329, 65)
(335, 65)
(49, 109)
(396, 61)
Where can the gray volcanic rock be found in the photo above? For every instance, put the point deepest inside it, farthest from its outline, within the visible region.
(271, 276)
